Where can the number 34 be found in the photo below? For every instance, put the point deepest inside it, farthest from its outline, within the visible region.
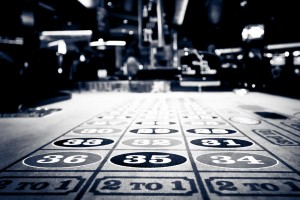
(227, 160)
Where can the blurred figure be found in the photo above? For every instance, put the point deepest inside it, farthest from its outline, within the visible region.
(129, 70)
(131, 67)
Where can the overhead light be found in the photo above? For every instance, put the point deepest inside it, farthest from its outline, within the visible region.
(89, 3)
(115, 43)
(228, 51)
(283, 46)
(180, 10)
(101, 42)
(67, 33)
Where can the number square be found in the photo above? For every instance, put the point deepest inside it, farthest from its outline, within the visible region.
(214, 161)
(150, 142)
(82, 143)
(174, 160)
(61, 160)
(227, 143)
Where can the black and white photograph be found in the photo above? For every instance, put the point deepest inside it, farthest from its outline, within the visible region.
(149, 100)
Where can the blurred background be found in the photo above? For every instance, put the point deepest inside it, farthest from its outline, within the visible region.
(50, 48)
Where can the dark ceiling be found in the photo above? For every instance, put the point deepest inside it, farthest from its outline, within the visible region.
(217, 22)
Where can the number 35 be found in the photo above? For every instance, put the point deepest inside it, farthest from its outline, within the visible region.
(137, 159)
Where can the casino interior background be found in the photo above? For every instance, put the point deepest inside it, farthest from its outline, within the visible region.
(52, 45)
(193, 68)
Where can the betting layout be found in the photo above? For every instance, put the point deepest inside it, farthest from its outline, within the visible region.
(166, 147)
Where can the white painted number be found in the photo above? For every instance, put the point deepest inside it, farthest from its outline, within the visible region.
(157, 159)
(211, 142)
(250, 159)
(89, 142)
(58, 158)
(160, 159)
(158, 130)
(159, 142)
(93, 130)
(217, 143)
(74, 142)
(135, 159)
(227, 160)
(222, 160)
(75, 159)
(51, 159)
(215, 130)
(141, 142)
(231, 143)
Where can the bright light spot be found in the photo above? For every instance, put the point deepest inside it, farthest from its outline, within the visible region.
(218, 52)
(278, 60)
(245, 84)
(96, 43)
(60, 70)
(297, 71)
(68, 33)
(225, 65)
(180, 11)
(296, 53)
(286, 54)
(269, 55)
(88, 3)
(240, 57)
(240, 92)
(251, 32)
(61, 46)
(243, 3)
(82, 58)
(26, 64)
(125, 21)
(131, 32)
(109, 4)
(115, 43)
(101, 47)
(123, 30)
(296, 60)
(141, 66)
(253, 85)
(251, 54)
(102, 73)
(186, 53)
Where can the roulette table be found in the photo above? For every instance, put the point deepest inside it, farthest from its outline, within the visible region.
(172, 145)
